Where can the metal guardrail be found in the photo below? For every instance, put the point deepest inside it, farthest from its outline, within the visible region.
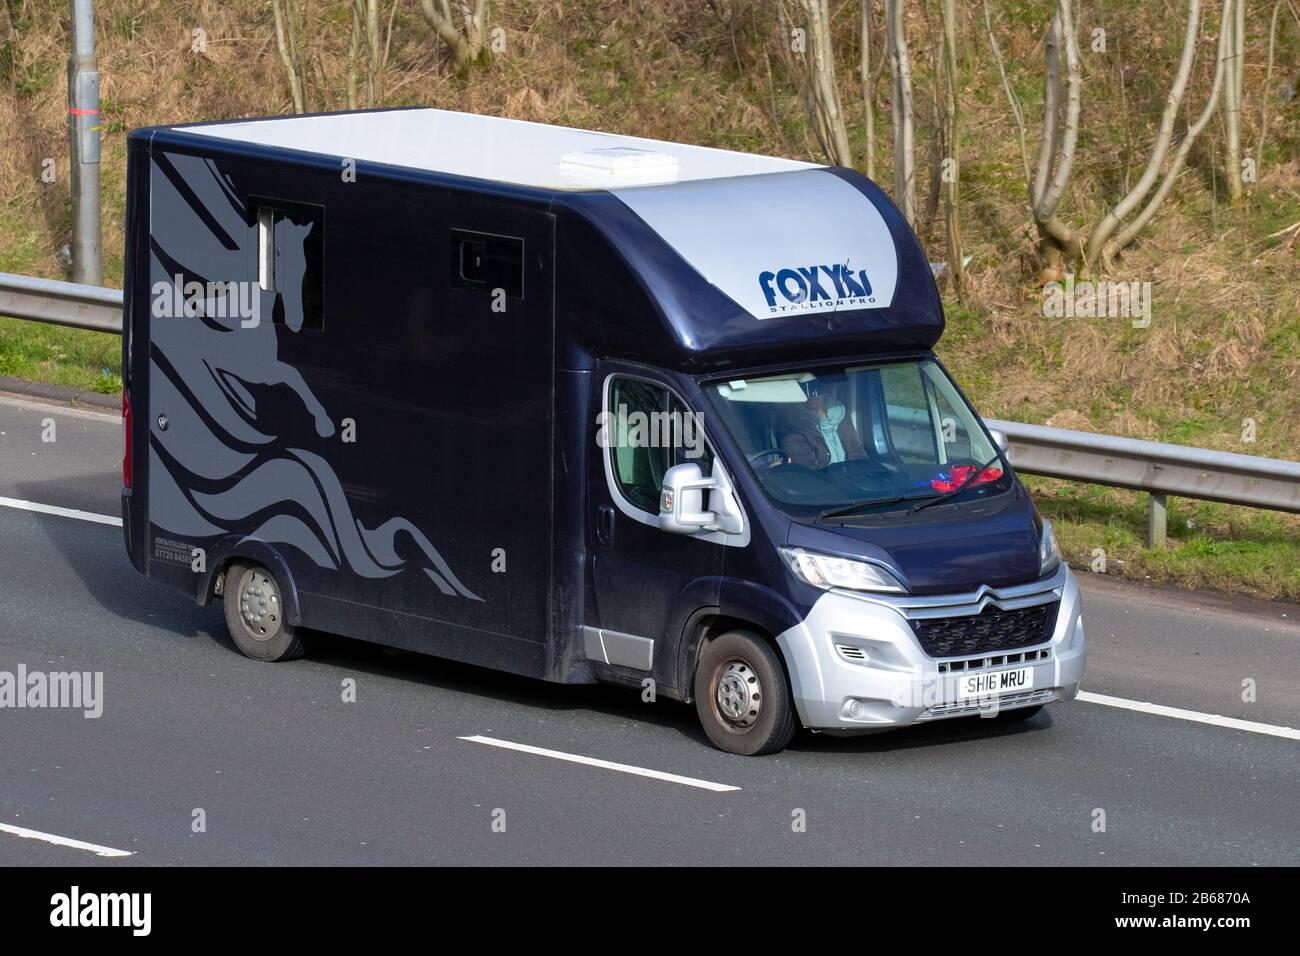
(61, 303)
(1153, 467)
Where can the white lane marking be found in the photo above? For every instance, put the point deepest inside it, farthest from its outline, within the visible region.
(1161, 710)
(62, 512)
(94, 848)
(606, 764)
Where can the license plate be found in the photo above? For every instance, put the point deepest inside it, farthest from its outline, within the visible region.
(992, 683)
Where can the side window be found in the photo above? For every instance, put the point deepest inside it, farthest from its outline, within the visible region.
(647, 430)
(907, 411)
(291, 262)
(956, 439)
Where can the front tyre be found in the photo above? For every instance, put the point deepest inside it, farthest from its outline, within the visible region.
(742, 695)
(255, 614)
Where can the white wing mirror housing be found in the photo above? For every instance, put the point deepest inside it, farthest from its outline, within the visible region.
(681, 503)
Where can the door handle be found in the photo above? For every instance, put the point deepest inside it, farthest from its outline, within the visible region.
(605, 526)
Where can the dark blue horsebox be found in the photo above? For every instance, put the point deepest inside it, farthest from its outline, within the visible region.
(578, 406)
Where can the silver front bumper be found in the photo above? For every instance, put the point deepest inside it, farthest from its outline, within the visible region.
(857, 666)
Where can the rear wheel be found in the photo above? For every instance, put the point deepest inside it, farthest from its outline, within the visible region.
(742, 696)
(255, 614)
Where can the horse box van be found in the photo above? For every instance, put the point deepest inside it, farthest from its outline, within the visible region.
(578, 406)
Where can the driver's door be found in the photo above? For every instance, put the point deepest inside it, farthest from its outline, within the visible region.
(647, 582)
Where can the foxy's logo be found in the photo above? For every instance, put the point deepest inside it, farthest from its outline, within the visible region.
(805, 288)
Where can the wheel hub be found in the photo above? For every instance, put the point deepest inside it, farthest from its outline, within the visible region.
(259, 605)
(739, 694)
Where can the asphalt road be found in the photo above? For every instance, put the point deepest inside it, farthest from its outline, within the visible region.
(285, 772)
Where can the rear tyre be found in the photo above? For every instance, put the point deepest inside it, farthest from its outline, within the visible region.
(255, 614)
(1017, 715)
(742, 696)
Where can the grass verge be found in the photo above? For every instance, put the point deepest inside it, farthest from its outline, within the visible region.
(1210, 546)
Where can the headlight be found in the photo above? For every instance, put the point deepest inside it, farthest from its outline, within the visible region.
(1049, 552)
(825, 571)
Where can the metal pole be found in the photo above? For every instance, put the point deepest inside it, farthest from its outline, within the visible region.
(1157, 521)
(83, 142)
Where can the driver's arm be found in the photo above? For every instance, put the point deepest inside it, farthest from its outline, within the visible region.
(800, 450)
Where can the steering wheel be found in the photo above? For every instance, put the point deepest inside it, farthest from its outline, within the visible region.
(777, 456)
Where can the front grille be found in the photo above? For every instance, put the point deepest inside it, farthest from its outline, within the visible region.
(993, 629)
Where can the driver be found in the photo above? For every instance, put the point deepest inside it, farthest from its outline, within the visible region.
(818, 432)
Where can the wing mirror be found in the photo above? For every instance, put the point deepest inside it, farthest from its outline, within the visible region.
(681, 503)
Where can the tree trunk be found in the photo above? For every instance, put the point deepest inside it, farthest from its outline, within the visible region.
(466, 40)
(354, 52)
(828, 111)
(1232, 98)
(952, 194)
(286, 42)
(1268, 90)
(901, 109)
(373, 95)
(868, 90)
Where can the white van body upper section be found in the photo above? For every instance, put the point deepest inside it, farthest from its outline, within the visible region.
(498, 149)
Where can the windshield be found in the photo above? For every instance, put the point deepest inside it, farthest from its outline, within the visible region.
(869, 435)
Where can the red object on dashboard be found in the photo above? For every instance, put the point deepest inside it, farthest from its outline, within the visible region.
(953, 479)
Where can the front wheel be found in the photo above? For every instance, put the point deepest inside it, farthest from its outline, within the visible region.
(742, 696)
(255, 614)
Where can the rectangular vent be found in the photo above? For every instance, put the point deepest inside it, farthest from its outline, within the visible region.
(994, 660)
(485, 263)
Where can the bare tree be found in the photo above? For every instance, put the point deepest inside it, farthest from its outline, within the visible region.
(1014, 100)
(901, 109)
(1268, 86)
(868, 89)
(951, 190)
(1059, 244)
(366, 27)
(1236, 27)
(288, 39)
(1107, 250)
(466, 37)
(817, 70)
(354, 52)
(1060, 137)
(1105, 242)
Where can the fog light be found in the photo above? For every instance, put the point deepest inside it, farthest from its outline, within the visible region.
(856, 710)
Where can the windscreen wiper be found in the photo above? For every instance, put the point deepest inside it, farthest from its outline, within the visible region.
(869, 503)
(949, 495)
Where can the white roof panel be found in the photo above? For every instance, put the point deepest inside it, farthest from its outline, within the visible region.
(497, 149)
